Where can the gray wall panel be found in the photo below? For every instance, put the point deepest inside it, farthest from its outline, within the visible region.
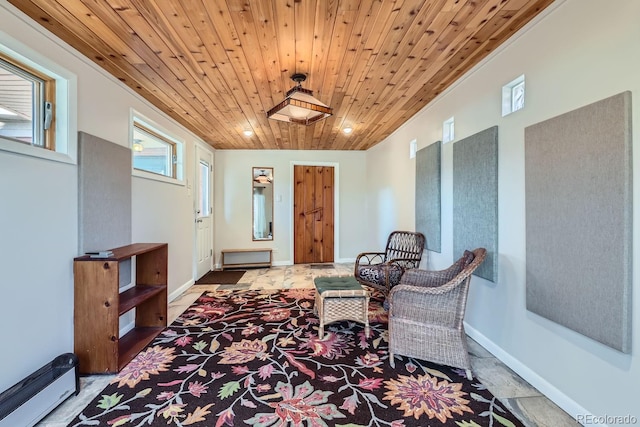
(475, 198)
(579, 225)
(104, 194)
(428, 195)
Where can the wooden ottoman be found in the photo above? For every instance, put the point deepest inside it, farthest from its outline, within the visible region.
(341, 298)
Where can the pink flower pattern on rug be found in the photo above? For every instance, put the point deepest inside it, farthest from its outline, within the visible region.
(254, 358)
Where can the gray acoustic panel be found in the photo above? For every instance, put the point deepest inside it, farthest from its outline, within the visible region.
(578, 171)
(475, 198)
(104, 194)
(428, 195)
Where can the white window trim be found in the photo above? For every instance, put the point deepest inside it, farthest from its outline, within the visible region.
(448, 130)
(66, 109)
(180, 149)
(413, 148)
(507, 95)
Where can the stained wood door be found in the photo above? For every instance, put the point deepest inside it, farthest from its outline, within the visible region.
(313, 214)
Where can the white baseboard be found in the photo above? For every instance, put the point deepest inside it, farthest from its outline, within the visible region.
(182, 289)
(550, 391)
(289, 262)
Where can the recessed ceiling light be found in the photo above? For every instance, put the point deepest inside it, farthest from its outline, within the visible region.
(347, 130)
(248, 132)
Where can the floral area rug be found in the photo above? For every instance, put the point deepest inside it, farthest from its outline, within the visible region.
(254, 358)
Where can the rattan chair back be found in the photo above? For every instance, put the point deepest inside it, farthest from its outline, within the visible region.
(382, 270)
(406, 246)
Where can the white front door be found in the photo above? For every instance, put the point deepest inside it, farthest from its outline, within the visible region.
(203, 212)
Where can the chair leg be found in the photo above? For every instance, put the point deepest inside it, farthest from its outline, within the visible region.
(469, 375)
(319, 308)
(367, 329)
(392, 360)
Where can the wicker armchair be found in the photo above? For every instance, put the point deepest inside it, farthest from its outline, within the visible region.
(382, 270)
(426, 312)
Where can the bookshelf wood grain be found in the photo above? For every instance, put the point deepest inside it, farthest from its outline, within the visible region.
(98, 305)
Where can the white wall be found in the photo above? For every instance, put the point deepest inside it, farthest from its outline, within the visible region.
(233, 196)
(578, 53)
(38, 240)
(38, 211)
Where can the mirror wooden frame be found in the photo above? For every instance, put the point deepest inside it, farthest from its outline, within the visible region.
(262, 185)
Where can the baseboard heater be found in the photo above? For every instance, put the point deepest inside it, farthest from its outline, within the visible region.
(240, 258)
(31, 399)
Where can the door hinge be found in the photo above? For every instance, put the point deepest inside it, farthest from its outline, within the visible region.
(210, 252)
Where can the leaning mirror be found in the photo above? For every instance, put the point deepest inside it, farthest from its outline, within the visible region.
(262, 203)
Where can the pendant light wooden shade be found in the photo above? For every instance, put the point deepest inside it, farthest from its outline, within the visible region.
(300, 106)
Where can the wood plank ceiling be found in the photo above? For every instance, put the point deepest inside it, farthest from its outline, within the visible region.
(217, 66)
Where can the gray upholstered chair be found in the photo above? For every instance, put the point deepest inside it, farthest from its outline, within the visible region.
(426, 310)
(382, 270)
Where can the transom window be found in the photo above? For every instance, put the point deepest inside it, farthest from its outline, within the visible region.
(448, 128)
(513, 96)
(27, 98)
(153, 151)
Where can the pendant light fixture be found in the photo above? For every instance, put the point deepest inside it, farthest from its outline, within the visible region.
(262, 177)
(299, 106)
(137, 145)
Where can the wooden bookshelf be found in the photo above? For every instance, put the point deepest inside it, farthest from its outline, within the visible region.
(99, 305)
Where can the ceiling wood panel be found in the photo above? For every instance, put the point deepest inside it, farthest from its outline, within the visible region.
(217, 66)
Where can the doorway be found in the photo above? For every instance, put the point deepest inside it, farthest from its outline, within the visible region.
(313, 214)
(203, 211)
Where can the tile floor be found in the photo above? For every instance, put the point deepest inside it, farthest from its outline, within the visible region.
(527, 403)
